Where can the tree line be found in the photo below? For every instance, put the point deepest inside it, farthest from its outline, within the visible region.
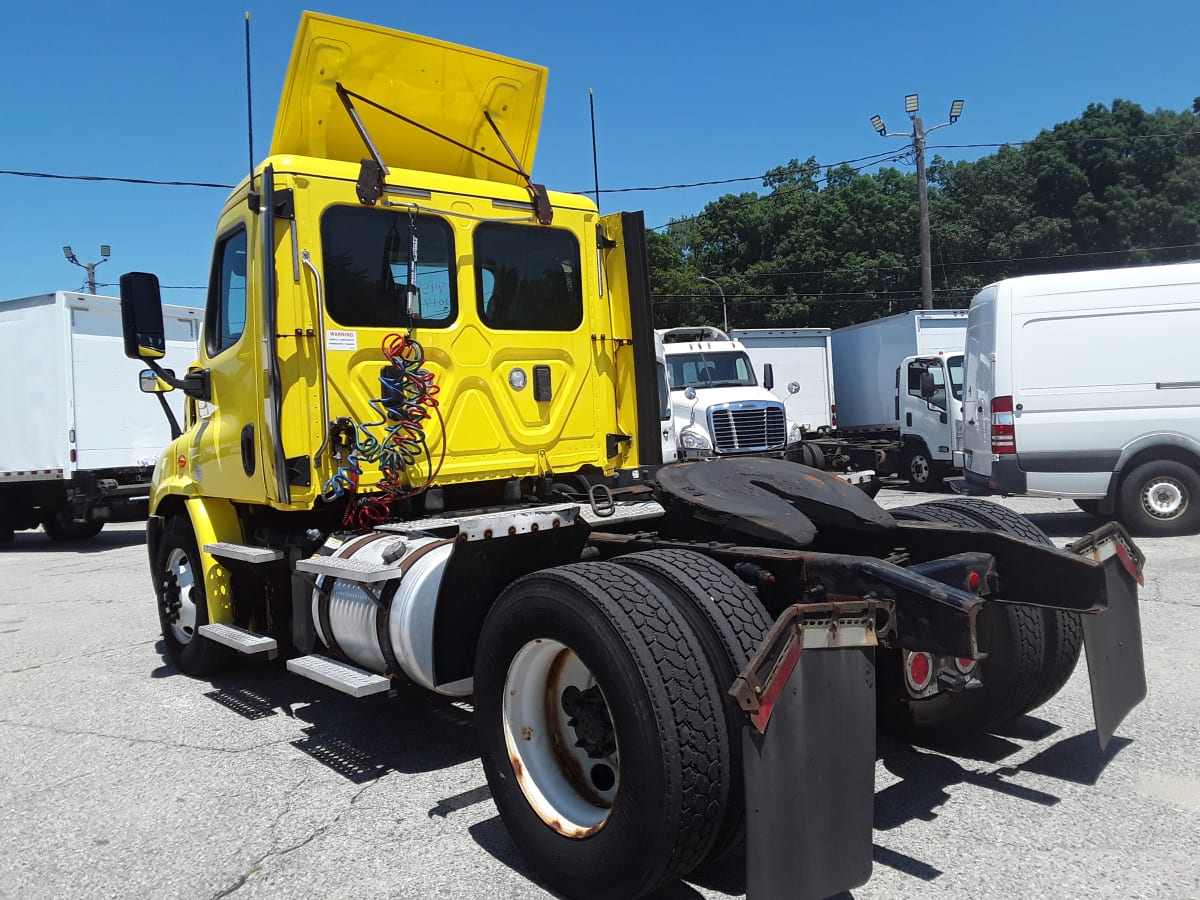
(1117, 186)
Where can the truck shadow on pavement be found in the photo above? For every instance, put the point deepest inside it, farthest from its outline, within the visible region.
(37, 542)
(361, 740)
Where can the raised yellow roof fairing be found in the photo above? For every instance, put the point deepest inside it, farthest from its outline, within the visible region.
(445, 87)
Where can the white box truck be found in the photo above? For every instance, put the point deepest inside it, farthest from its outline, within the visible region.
(797, 356)
(897, 391)
(1086, 385)
(79, 441)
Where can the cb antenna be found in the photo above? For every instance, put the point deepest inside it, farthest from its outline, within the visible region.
(250, 117)
(595, 165)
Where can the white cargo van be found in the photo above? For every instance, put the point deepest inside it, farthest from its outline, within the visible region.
(1087, 386)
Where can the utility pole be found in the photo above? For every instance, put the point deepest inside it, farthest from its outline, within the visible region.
(105, 252)
(917, 136)
(724, 310)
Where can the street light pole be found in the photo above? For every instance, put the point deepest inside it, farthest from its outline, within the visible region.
(724, 310)
(105, 253)
(917, 136)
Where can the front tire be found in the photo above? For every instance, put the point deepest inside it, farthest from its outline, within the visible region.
(1160, 499)
(922, 470)
(602, 734)
(183, 602)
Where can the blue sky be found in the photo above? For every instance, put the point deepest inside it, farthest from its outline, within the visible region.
(684, 92)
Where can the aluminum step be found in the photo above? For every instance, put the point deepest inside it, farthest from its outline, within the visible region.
(355, 570)
(242, 552)
(240, 639)
(339, 676)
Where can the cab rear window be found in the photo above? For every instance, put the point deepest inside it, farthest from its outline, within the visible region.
(528, 278)
(366, 256)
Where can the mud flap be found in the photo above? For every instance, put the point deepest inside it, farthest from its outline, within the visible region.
(1113, 641)
(809, 761)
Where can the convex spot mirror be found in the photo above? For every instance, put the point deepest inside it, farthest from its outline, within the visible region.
(150, 383)
(690, 393)
(141, 316)
(793, 387)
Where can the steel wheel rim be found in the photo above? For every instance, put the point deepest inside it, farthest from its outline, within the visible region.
(568, 789)
(179, 573)
(919, 468)
(1164, 498)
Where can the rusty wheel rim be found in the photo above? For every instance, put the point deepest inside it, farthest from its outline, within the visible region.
(560, 739)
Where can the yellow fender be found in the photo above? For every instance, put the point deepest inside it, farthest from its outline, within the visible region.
(215, 520)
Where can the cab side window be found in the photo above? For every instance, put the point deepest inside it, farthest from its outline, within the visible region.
(225, 317)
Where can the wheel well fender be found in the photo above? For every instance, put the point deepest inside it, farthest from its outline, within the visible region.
(211, 520)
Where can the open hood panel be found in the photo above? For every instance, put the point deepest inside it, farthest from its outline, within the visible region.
(445, 87)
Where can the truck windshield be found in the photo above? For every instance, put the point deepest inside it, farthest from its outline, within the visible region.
(710, 370)
(954, 367)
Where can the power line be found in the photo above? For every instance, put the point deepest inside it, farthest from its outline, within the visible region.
(58, 177)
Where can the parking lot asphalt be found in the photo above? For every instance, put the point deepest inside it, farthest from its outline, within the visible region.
(122, 778)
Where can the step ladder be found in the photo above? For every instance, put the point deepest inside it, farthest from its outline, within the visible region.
(355, 570)
(340, 676)
(242, 552)
(243, 641)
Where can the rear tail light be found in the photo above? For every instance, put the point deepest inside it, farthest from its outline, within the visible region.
(1004, 434)
(833, 415)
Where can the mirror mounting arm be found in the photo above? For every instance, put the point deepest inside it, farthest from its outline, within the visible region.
(197, 385)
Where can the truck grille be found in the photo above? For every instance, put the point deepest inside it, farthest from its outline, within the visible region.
(748, 427)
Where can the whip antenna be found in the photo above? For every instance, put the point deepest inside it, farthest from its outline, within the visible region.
(249, 110)
(595, 165)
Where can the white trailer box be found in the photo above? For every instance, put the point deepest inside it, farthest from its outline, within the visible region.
(80, 441)
(1087, 385)
(797, 356)
(866, 357)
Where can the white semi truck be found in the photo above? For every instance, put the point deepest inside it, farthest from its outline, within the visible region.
(79, 442)
(897, 396)
(719, 406)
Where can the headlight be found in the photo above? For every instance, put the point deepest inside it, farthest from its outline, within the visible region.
(694, 440)
(795, 433)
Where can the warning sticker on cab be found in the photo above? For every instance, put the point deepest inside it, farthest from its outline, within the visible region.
(340, 339)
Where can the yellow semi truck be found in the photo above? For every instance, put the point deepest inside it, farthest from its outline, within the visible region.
(423, 441)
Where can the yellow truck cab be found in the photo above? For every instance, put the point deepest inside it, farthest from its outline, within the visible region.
(424, 441)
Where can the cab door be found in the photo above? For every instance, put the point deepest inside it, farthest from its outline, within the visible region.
(224, 457)
(927, 417)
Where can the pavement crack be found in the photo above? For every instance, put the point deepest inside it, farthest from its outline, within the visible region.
(178, 745)
(67, 659)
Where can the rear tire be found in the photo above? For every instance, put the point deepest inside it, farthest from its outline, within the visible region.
(183, 602)
(1063, 630)
(594, 651)
(812, 456)
(1008, 677)
(731, 624)
(63, 528)
(921, 469)
(1160, 499)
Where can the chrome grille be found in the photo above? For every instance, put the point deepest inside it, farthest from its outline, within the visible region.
(748, 427)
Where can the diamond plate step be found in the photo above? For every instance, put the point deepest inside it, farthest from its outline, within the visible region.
(240, 639)
(356, 570)
(242, 552)
(339, 676)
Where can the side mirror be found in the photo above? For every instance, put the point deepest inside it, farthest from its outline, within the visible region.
(141, 316)
(927, 389)
(150, 383)
(793, 387)
(768, 376)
